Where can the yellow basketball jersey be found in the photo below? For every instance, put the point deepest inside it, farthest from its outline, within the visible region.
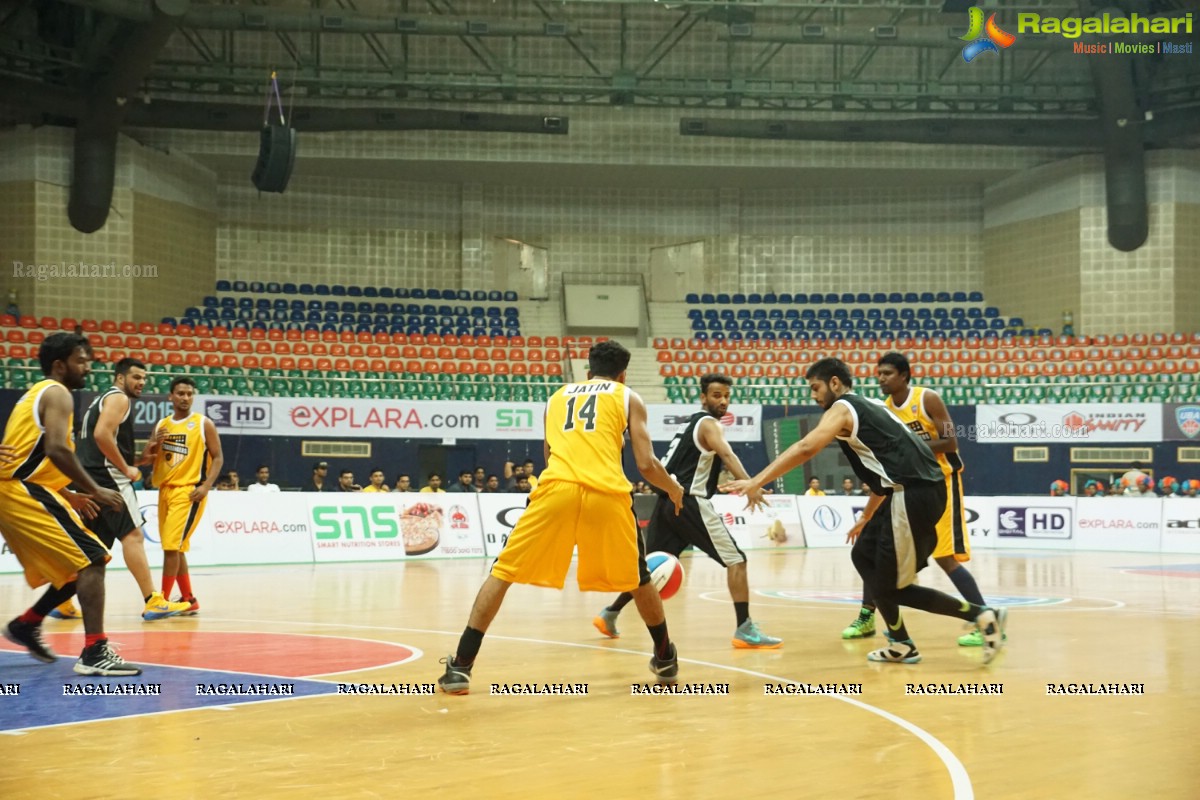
(913, 414)
(182, 458)
(585, 428)
(26, 434)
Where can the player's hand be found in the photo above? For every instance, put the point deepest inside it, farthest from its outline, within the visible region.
(8, 454)
(83, 504)
(675, 493)
(853, 534)
(159, 436)
(747, 489)
(133, 473)
(198, 494)
(110, 498)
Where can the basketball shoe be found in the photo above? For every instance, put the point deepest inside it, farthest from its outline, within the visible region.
(991, 627)
(159, 607)
(666, 668)
(903, 652)
(606, 623)
(100, 659)
(456, 680)
(67, 610)
(29, 636)
(193, 606)
(861, 628)
(748, 636)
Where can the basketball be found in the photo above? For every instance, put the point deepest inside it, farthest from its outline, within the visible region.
(666, 573)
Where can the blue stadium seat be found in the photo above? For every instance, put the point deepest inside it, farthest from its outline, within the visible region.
(735, 336)
(836, 336)
(758, 313)
(834, 297)
(862, 298)
(386, 292)
(274, 288)
(879, 324)
(879, 298)
(891, 313)
(479, 296)
(784, 336)
(228, 302)
(958, 313)
(959, 297)
(707, 299)
(858, 313)
(723, 299)
(896, 297)
(306, 288)
(700, 336)
(975, 297)
(228, 313)
(242, 302)
(753, 297)
(338, 290)
(692, 298)
(433, 294)
(510, 296)
(170, 321)
(1045, 332)
(962, 324)
(991, 312)
(942, 297)
(742, 313)
(224, 286)
(1016, 322)
(786, 298)
(370, 291)
(261, 302)
(210, 302)
(257, 287)
(779, 324)
(841, 313)
(941, 313)
(770, 297)
(750, 336)
(926, 297)
(695, 313)
(868, 336)
(289, 288)
(240, 286)
(912, 297)
(998, 324)
(699, 324)
(402, 293)
(775, 313)
(801, 298)
(816, 299)
(495, 296)
(874, 313)
(419, 294)
(322, 290)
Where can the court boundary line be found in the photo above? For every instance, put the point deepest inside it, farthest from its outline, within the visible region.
(960, 780)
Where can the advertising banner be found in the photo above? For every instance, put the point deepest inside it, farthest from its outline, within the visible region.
(1181, 421)
(376, 418)
(775, 525)
(982, 521)
(1119, 523)
(236, 528)
(742, 423)
(389, 527)
(1034, 523)
(1072, 423)
(1181, 525)
(826, 520)
(498, 514)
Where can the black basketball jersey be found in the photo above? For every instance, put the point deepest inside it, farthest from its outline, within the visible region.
(882, 450)
(696, 469)
(89, 454)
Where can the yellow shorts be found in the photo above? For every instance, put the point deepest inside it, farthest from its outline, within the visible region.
(178, 517)
(46, 535)
(953, 537)
(560, 516)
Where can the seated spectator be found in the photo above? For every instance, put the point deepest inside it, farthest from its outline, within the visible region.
(262, 480)
(1059, 488)
(346, 482)
(223, 484)
(814, 488)
(375, 482)
(404, 483)
(492, 485)
(522, 485)
(480, 479)
(319, 472)
(466, 482)
(1093, 488)
(865, 489)
(848, 489)
(1192, 489)
(433, 484)
(235, 483)
(511, 473)
(1140, 487)
(529, 473)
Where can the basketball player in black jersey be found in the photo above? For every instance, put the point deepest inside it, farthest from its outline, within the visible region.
(898, 529)
(695, 458)
(105, 448)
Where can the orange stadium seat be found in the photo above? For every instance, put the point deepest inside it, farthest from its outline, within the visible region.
(1068, 368)
(307, 364)
(124, 326)
(153, 343)
(433, 339)
(483, 368)
(448, 367)
(533, 355)
(520, 368)
(230, 361)
(431, 367)
(1088, 368)
(339, 364)
(250, 362)
(413, 366)
(554, 369)
(212, 360)
(360, 365)
(224, 345)
(536, 341)
(737, 371)
(377, 365)
(246, 347)
(175, 359)
(973, 371)
(1169, 367)
(259, 333)
(445, 353)
(1148, 368)
(355, 350)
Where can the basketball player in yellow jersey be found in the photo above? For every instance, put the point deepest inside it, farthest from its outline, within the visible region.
(582, 499)
(40, 518)
(187, 460)
(923, 411)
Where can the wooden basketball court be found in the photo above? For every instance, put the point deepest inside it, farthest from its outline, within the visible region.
(1081, 618)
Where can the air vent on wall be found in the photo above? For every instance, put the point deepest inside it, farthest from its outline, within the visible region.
(1188, 455)
(1111, 455)
(1031, 455)
(330, 449)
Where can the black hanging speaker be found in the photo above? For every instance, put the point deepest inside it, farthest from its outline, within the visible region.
(276, 156)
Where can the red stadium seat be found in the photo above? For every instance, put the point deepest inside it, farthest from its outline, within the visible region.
(269, 362)
(536, 341)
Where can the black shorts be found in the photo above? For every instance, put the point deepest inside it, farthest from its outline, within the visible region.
(898, 541)
(698, 524)
(114, 524)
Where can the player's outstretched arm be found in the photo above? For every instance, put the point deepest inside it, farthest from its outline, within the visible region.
(947, 441)
(712, 437)
(55, 410)
(643, 452)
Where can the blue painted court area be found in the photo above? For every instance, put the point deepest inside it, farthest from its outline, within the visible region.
(42, 700)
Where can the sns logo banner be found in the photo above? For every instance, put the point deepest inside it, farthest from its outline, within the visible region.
(1035, 523)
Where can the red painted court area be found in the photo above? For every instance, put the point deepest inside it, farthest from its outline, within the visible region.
(278, 654)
